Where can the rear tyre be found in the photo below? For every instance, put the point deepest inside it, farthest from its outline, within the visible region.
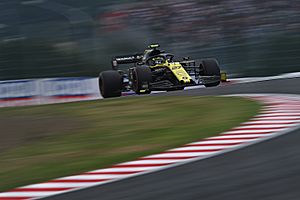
(110, 84)
(210, 67)
(141, 79)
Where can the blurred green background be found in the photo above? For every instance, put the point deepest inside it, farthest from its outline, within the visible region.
(55, 38)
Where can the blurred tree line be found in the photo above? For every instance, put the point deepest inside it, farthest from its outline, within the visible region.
(58, 38)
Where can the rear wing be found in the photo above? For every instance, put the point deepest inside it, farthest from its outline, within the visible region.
(127, 59)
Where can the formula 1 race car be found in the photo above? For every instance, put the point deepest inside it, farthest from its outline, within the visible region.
(156, 70)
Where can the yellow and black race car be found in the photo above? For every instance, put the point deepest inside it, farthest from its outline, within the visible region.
(156, 70)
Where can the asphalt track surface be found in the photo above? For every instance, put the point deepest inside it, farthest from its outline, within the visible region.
(269, 170)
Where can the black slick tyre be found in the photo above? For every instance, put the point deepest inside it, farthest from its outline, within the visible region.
(141, 79)
(210, 67)
(110, 84)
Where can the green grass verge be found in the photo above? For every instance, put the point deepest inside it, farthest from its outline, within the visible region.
(45, 142)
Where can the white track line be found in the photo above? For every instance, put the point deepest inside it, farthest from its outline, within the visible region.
(57, 185)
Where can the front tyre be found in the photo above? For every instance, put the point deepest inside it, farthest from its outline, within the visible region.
(210, 67)
(110, 84)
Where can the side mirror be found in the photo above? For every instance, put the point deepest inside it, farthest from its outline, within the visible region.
(186, 58)
(114, 64)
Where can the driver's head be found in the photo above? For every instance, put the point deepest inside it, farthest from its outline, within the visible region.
(154, 52)
(150, 53)
(157, 60)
